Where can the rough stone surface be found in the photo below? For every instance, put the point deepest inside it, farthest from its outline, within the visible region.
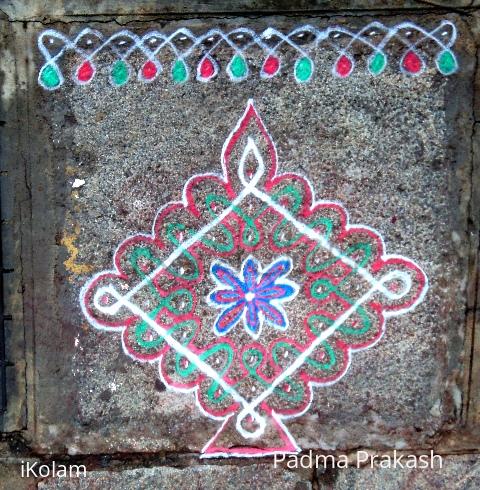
(10, 477)
(206, 477)
(457, 472)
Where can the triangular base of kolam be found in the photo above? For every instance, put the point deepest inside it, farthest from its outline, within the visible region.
(227, 442)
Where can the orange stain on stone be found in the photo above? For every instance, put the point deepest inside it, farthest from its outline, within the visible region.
(68, 241)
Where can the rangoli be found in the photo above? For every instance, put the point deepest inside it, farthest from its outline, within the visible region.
(407, 44)
(249, 292)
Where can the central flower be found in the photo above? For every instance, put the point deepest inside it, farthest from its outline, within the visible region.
(253, 295)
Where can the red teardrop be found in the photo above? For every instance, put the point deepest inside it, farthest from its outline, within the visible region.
(271, 65)
(412, 63)
(85, 72)
(343, 66)
(207, 69)
(149, 70)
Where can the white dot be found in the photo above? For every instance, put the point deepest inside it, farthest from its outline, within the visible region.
(285, 354)
(408, 33)
(183, 38)
(182, 271)
(51, 40)
(153, 40)
(372, 33)
(336, 35)
(445, 33)
(121, 43)
(211, 38)
(240, 36)
(301, 34)
(89, 42)
(250, 296)
(254, 389)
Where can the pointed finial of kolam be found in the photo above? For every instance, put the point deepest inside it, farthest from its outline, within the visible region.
(250, 125)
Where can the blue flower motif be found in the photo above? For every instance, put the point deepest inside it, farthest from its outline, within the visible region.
(255, 296)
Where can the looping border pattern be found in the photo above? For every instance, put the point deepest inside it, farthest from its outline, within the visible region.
(184, 46)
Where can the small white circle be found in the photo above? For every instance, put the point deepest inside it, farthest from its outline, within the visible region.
(250, 296)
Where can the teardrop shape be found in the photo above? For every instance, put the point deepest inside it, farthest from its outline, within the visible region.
(377, 64)
(447, 63)
(50, 76)
(412, 63)
(85, 72)
(343, 66)
(119, 73)
(237, 68)
(303, 69)
(149, 71)
(206, 69)
(179, 71)
(271, 66)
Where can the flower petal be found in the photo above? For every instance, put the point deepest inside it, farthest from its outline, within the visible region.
(252, 319)
(276, 291)
(229, 318)
(225, 296)
(276, 270)
(227, 276)
(272, 315)
(250, 273)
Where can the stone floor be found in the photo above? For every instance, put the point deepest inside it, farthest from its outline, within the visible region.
(84, 166)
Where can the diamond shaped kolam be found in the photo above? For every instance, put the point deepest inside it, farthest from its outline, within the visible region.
(249, 292)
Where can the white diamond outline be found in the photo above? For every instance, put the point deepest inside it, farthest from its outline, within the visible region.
(251, 189)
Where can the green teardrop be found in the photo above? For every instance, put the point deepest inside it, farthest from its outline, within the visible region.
(378, 63)
(179, 71)
(119, 72)
(303, 69)
(447, 62)
(238, 67)
(49, 76)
